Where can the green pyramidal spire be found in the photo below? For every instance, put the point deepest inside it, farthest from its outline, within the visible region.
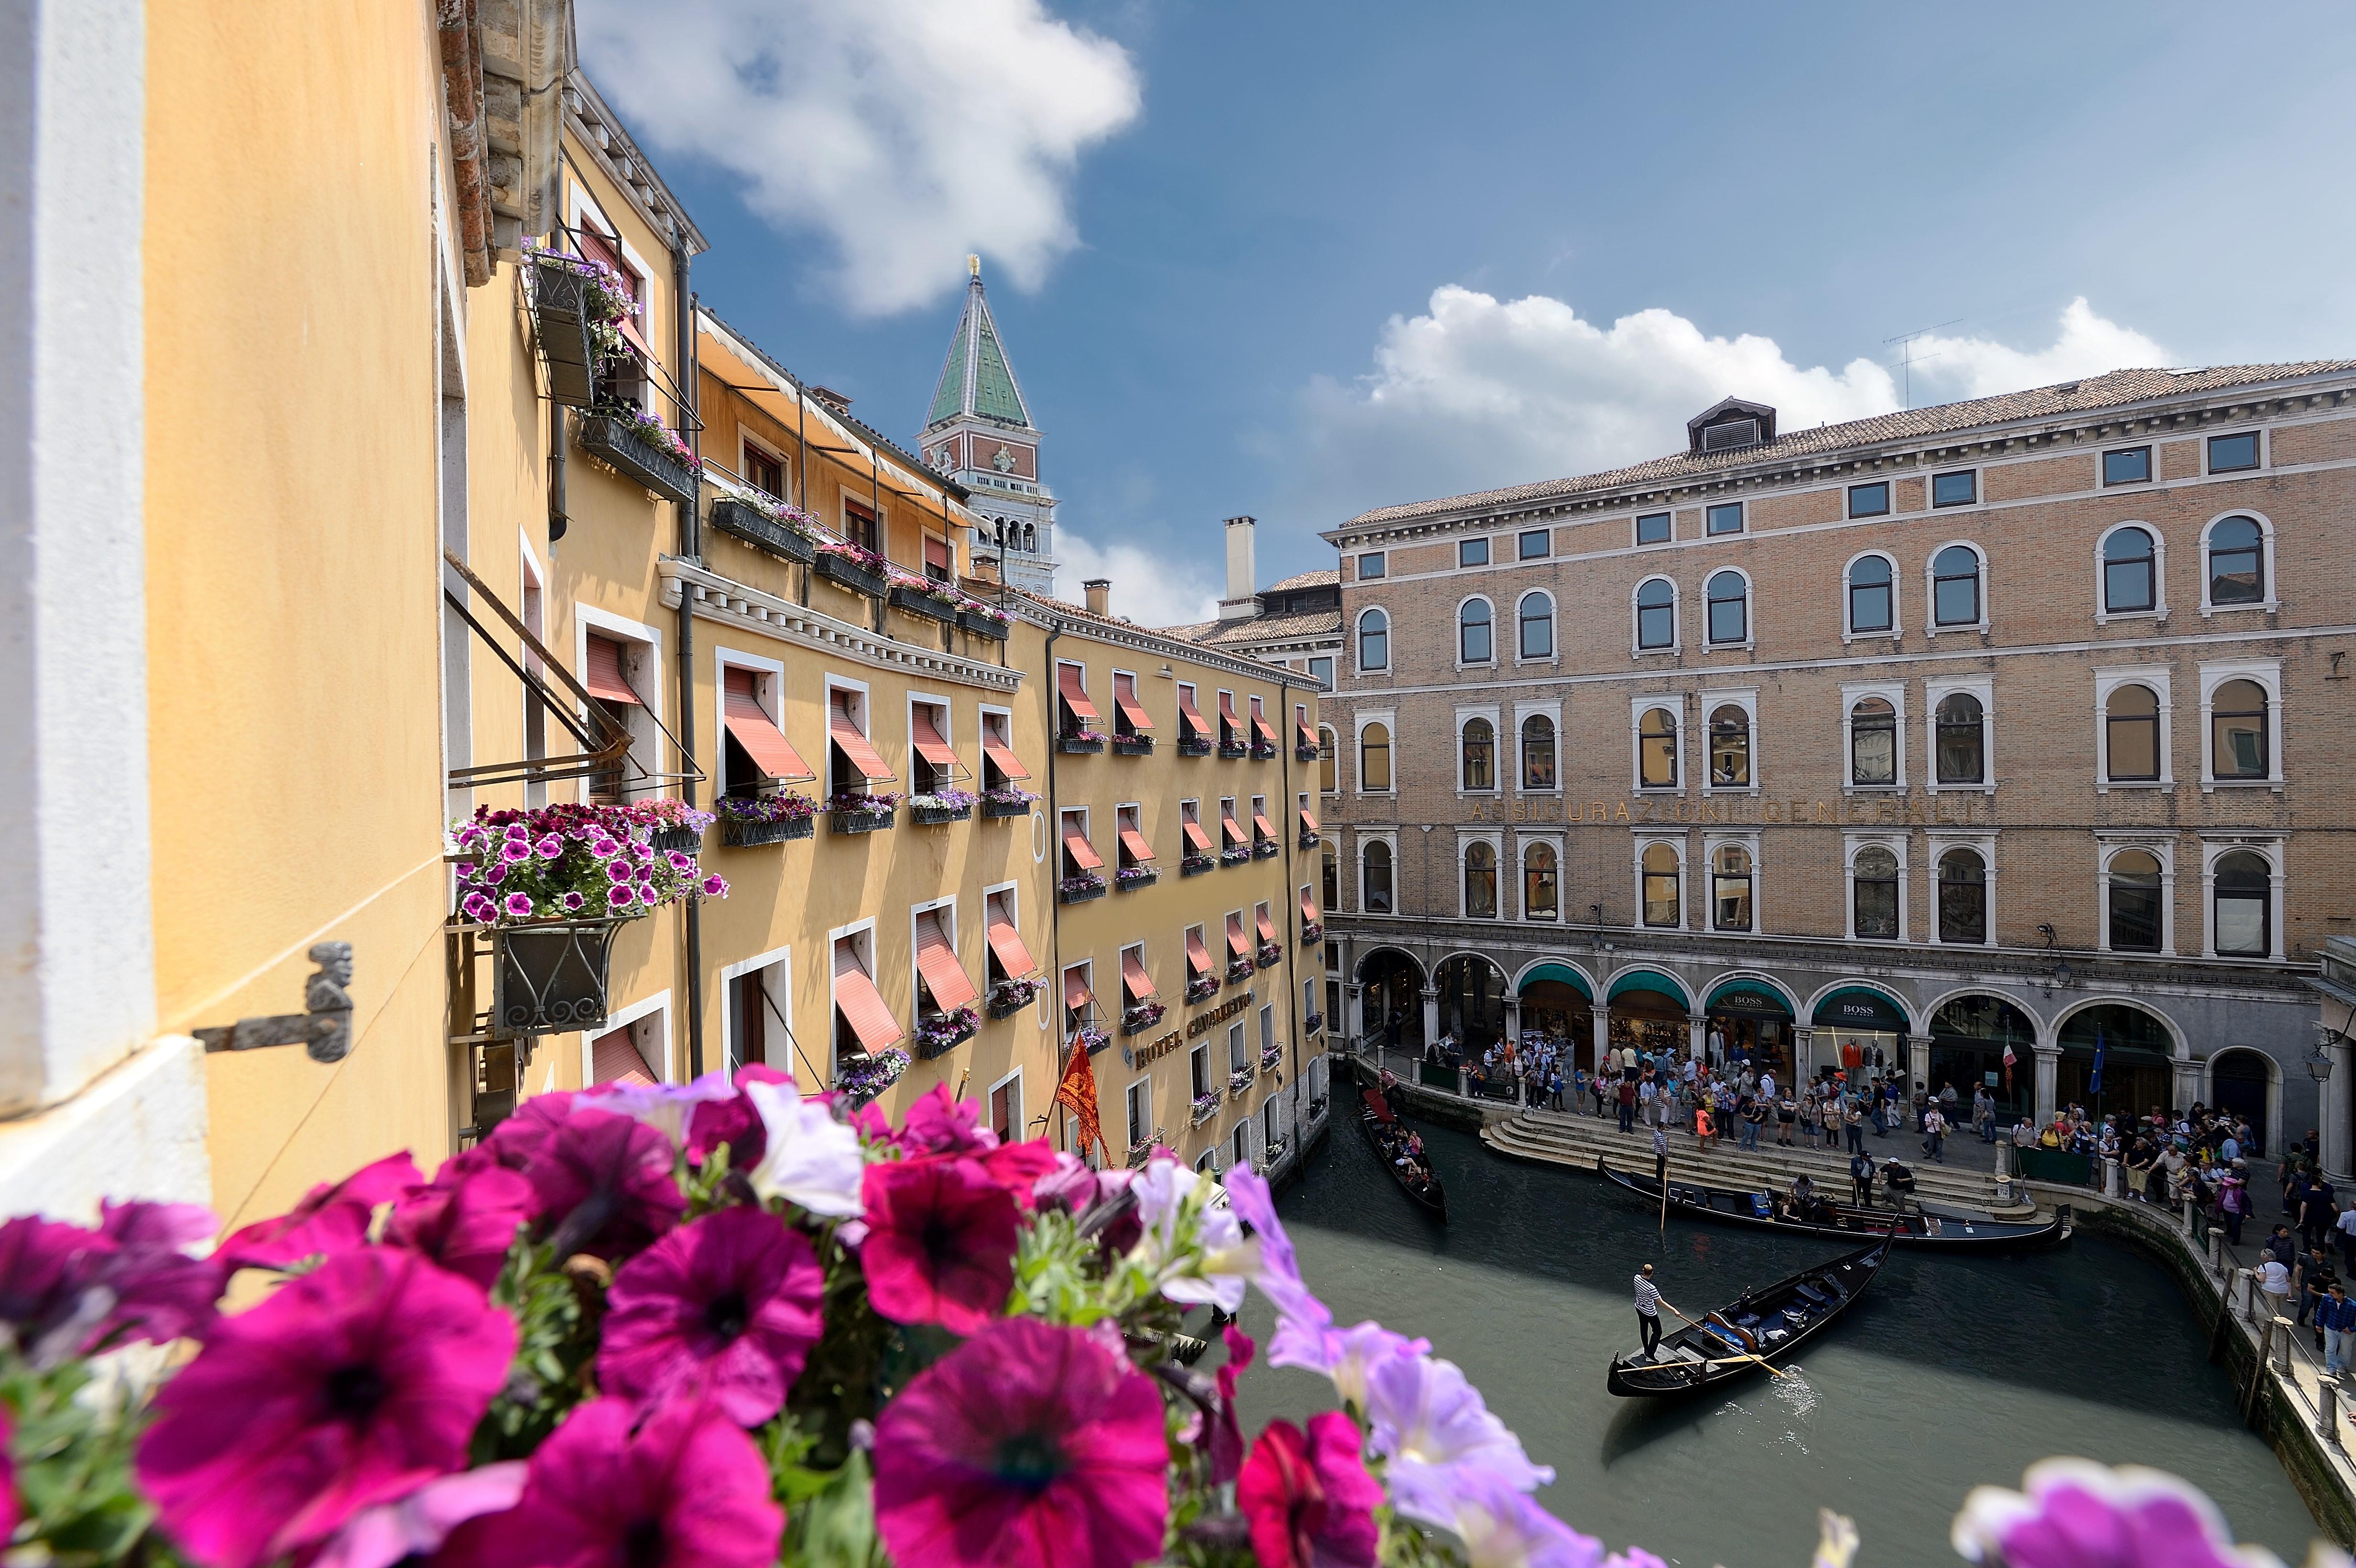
(976, 379)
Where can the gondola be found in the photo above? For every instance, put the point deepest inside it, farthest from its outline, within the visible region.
(1383, 1129)
(1757, 1329)
(1929, 1225)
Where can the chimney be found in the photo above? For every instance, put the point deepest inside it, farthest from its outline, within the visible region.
(831, 398)
(1100, 594)
(1241, 603)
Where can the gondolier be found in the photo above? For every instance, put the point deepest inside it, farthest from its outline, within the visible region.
(1648, 1310)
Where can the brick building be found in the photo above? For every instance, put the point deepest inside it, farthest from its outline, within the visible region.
(2016, 724)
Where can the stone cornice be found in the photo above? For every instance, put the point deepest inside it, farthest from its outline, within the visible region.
(600, 132)
(732, 604)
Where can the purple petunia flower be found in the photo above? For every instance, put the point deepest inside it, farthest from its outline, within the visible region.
(415, 1525)
(495, 876)
(725, 1308)
(1501, 1526)
(1439, 1437)
(941, 1244)
(604, 1179)
(1279, 1271)
(618, 871)
(514, 850)
(572, 901)
(664, 1105)
(2074, 1513)
(682, 863)
(620, 895)
(67, 1290)
(550, 847)
(479, 907)
(715, 887)
(332, 1218)
(470, 838)
(466, 1219)
(519, 906)
(605, 848)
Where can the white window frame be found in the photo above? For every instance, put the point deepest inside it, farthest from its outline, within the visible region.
(1491, 661)
(1748, 842)
(1324, 733)
(949, 734)
(768, 690)
(1523, 844)
(1984, 844)
(1495, 841)
(2265, 457)
(1675, 701)
(1465, 716)
(656, 1006)
(1931, 502)
(2266, 674)
(1850, 634)
(1930, 624)
(1712, 699)
(2104, 613)
(2215, 846)
(1852, 693)
(1130, 1102)
(1358, 644)
(856, 931)
(1895, 843)
(1676, 620)
(781, 994)
(1749, 612)
(2265, 557)
(646, 642)
(1388, 837)
(1554, 626)
(2109, 680)
(2160, 846)
(1021, 1108)
(1937, 689)
(1640, 843)
(1551, 711)
(1388, 720)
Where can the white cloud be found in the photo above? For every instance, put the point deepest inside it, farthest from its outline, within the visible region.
(907, 131)
(1478, 393)
(1148, 589)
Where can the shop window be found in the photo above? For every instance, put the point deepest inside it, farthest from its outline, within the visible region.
(1873, 893)
(1963, 897)
(1729, 747)
(1540, 892)
(1480, 882)
(1660, 891)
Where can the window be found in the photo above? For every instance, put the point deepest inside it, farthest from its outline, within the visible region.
(1726, 517)
(1321, 670)
(1540, 897)
(2128, 466)
(1872, 603)
(1873, 892)
(753, 751)
(2232, 453)
(1870, 500)
(1729, 888)
(1729, 747)
(2130, 575)
(1873, 742)
(764, 471)
(1141, 1112)
(2237, 574)
(1537, 616)
(852, 763)
(1729, 607)
(607, 668)
(1653, 527)
(1480, 882)
(1656, 749)
(757, 996)
(1955, 587)
(1375, 878)
(2237, 731)
(2131, 736)
(863, 1021)
(1960, 489)
(1080, 858)
(1374, 640)
(1328, 779)
(2244, 924)
(937, 557)
(1537, 752)
(1472, 628)
(859, 525)
(1370, 566)
(1532, 544)
(1961, 744)
(1480, 745)
(1329, 876)
(935, 767)
(1374, 758)
(1198, 1072)
(1659, 892)
(1473, 553)
(1656, 614)
(1963, 897)
(2134, 901)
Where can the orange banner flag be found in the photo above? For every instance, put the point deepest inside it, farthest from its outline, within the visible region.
(1077, 1094)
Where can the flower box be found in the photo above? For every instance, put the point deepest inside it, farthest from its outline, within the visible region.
(1275, 1152)
(1239, 856)
(1079, 742)
(1194, 746)
(1095, 1038)
(1313, 1023)
(1263, 751)
(1079, 890)
(1140, 1018)
(1202, 988)
(916, 602)
(1316, 1107)
(1234, 751)
(686, 840)
(1196, 864)
(746, 833)
(939, 809)
(1265, 849)
(1239, 1082)
(742, 519)
(1311, 930)
(862, 1078)
(1009, 998)
(870, 820)
(1270, 954)
(1306, 753)
(1132, 745)
(1140, 1153)
(563, 305)
(1310, 841)
(1206, 1108)
(1239, 970)
(622, 444)
(844, 572)
(940, 1034)
(550, 978)
(1128, 878)
(983, 624)
(1000, 808)
(572, 862)
(1271, 1057)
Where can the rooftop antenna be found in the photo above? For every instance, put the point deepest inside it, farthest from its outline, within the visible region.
(1908, 359)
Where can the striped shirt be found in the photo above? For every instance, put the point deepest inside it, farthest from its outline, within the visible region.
(1648, 1298)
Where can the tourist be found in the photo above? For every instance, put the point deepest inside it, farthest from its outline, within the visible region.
(1860, 1176)
(1934, 1125)
(1627, 1092)
(1752, 1112)
(1900, 1180)
(1649, 1302)
(1853, 1123)
(1983, 1113)
(2233, 1206)
(2282, 1245)
(2316, 1277)
(2337, 1318)
(2316, 1211)
(1829, 1114)
(2273, 1279)
(1660, 1154)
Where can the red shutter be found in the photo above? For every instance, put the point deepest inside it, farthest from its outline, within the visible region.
(1238, 944)
(1124, 697)
(755, 730)
(1198, 958)
(1139, 984)
(854, 743)
(1134, 842)
(936, 961)
(862, 1003)
(1076, 696)
(1007, 942)
(930, 744)
(1075, 844)
(602, 673)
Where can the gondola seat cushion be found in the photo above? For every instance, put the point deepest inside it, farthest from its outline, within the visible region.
(1760, 1206)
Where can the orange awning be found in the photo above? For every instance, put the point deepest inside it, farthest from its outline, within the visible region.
(1134, 842)
(1077, 996)
(1227, 711)
(1260, 726)
(602, 673)
(1261, 825)
(1139, 984)
(1124, 697)
(1196, 838)
(936, 961)
(614, 1058)
(1308, 906)
(856, 995)
(1267, 925)
(1238, 944)
(1076, 699)
(928, 741)
(1186, 710)
(1308, 734)
(755, 730)
(855, 745)
(1075, 844)
(1308, 823)
(1002, 757)
(1007, 942)
(1228, 824)
(1198, 958)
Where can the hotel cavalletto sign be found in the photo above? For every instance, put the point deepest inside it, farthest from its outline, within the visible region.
(1164, 1044)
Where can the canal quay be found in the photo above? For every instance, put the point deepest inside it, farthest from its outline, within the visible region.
(1952, 1372)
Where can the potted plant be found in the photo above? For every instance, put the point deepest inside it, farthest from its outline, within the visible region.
(862, 1078)
(1091, 1036)
(1311, 930)
(1263, 751)
(1193, 743)
(1128, 878)
(1306, 750)
(932, 810)
(1006, 802)
(1141, 1017)
(1141, 1151)
(1270, 1057)
(940, 1032)
(577, 309)
(1309, 840)
(1235, 855)
(1205, 1108)
(1080, 888)
(766, 523)
(640, 447)
(1270, 954)
(853, 811)
(1011, 997)
(850, 565)
(1195, 865)
(1265, 848)
(1202, 988)
(673, 824)
(1313, 1023)
(922, 596)
(747, 821)
(1239, 1082)
(1235, 750)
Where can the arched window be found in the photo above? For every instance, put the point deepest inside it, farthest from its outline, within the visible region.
(1472, 629)
(1963, 739)
(1656, 614)
(1030, 537)
(1873, 892)
(1539, 899)
(2135, 911)
(1729, 607)
(1375, 878)
(1328, 772)
(2245, 917)
(1656, 749)
(1374, 640)
(2130, 572)
(1374, 758)
(1873, 742)
(1955, 586)
(1480, 754)
(1729, 888)
(1963, 897)
(1537, 752)
(2131, 736)
(2238, 742)
(1537, 627)
(1729, 747)
(1872, 604)
(2237, 562)
(1659, 893)
(1480, 882)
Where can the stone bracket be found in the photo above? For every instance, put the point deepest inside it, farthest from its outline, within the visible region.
(325, 1026)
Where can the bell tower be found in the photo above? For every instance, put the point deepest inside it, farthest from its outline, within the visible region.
(979, 433)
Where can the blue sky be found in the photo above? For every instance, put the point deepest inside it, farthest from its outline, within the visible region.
(1300, 259)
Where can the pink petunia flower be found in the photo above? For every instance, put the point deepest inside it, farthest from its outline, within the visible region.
(350, 1386)
(604, 1180)
(514, 850)
(333, 1217)
(605, 848)
(732, 1120)
(517, 905)
(715, 887)
(1308, 1498)
(1029, 1446)
(1019, 1167)
(680, 863)
(937, 1124)
(495, 876)
(725, 1308)
(940, 1246)
(686, 1491)
(1226, 1438)
(479, 907)
(619, 896)
(618, 871)
(466, 1219)
(69, 1291)
(549, 849)
(415, 1526)
(1502, 1528)
(573, 902)
(2074, 1513)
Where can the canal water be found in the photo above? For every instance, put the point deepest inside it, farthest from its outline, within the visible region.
(1952, 1372)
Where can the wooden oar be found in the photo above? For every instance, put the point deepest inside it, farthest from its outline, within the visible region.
(1738, 1356)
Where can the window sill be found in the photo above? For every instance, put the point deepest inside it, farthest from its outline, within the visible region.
(2268, 608)
(1463, 668)
(1742, 647)
(1663, 792)
(1897, 788)
(2106, 786)
(2157, 617)
(1959, 789)
(2211, 786)
(1973, 629)
(1555, 663)
(1668, 653)
(1730, 790)
(1462, 794)
(1892, 637)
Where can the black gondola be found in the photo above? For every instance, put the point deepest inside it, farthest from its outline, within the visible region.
(1945, 1229)
(1387, 1136)
(1756, 1329)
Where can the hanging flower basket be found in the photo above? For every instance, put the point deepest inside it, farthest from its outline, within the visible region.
(1306, 752)
(1313, 1023)
(1270, 954)
(550, 978)
(745, 519)
(1263, 751)
(1271, 1057)
(940, 806)
(640, 449)
(1002, 804)
(1205, 1108)
(739, 833)
(576, 306)
(1194, 746)
(1265, 848)
(1202, 988)
(1140, 1018)
(862, 1078)
(1239, 1082)
(1238, 854)
(1079, 890)
(1310, 840)
(1311, 930)
(571, 863)
(1095, 1038)
(1079, 742)
(1132, 745)
(1240, 970)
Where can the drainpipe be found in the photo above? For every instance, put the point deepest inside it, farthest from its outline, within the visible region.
(1054, 903)
(691, 549)
(557, 520)
(1291, 907)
